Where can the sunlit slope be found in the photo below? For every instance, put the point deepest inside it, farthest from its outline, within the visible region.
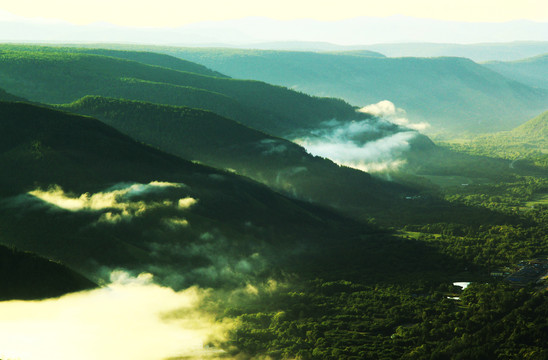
(450, 93)
(223, 143)
(535, 129)
(526, 144)
(28, 276)
(65, 77)
(532, 71)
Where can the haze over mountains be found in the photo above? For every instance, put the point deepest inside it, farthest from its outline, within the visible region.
(505, 50)
(263, 106)
(248, 31)
(531, 71)
(450, 93)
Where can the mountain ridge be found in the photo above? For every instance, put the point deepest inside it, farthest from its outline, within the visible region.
(487, 101)
(530, 71)
(66, 77)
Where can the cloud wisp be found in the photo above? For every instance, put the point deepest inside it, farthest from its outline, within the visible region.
(120, 203)
(373, 145)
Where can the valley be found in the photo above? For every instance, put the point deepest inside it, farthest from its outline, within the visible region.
(222, 189)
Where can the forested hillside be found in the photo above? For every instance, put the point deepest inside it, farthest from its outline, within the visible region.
(526, 144)
(65, 77)
(223, 143)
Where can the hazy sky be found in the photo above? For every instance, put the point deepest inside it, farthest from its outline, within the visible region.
(173, 13)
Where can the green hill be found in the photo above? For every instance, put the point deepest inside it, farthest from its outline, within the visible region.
(288, 168)
(526, 144)
(534, 130)
(532, 71)
(452, 94)
(65, 77)
(76, 190)
(28, 276)
(223, 143)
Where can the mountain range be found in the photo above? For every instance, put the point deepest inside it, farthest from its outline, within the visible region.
(478, 52)
(454, 94)
(115, 202)
(50, 76)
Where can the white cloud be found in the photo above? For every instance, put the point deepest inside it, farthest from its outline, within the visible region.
(187, 202)
(132, 318)
(371, 145)
(388, 111)
(383, 154)
(382, 108)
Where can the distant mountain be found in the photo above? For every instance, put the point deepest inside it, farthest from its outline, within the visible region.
(532, 71)
(501, 51)
(278, 45)
(65, 77)
(148, 58)
(452, 94)
(478, 52)
(252, 30)
(30, 277)
(305, 46)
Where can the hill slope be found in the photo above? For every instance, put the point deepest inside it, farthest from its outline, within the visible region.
(65, 77)
(148, 58)
(534, 130)
(452, 94)
(6, 96)
(525, 145)
(78, 191)
(288, 168)
(223, 143)
(531, 71)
